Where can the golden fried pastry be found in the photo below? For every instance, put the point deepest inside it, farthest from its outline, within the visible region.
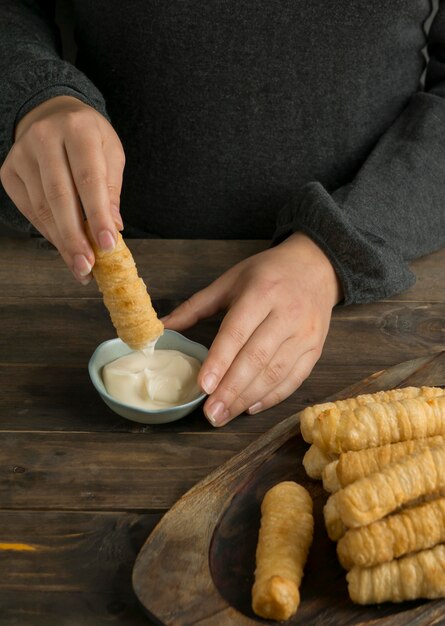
(355, 464)
(372, 497)
(283, 545)
(419, 575)
(376, 424)
(125, 295)
(411, 530)
(336, 528)
(333, 522)
(331, 484)
(315, 460)
(310, 413)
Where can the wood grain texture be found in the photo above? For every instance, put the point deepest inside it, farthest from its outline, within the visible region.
(79, 457)
(70, 608)
(31, 404)
(64, 332)
(56, 566)
(167, 266)
(93, 471)
(189, 592)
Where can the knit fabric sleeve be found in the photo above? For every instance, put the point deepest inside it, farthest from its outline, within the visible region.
(394, 209)
(32, 72)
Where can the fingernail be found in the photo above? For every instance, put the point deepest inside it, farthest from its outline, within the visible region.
(217, 414)
(82, 266)
(85, 281)
(255, 408)
(106, 241)
(209, 383)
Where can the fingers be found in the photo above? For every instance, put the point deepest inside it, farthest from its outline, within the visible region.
(291, 383)
(235, 332)
(67, 160)
(254, 353)
(274, 330)
(293, 379)
(86, 160)
(257, 365)
(250, 377)
(41, 215)
(19, 195)
(115, 161)
(52, 188)
(76, 171)
(260, 375)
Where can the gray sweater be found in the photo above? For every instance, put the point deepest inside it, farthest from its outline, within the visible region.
(256, 118)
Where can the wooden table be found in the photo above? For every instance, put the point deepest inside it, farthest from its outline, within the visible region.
(82, 488)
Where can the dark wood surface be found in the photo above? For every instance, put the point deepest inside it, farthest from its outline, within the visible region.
(82, 488)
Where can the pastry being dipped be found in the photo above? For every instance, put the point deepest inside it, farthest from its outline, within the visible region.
(125, 295)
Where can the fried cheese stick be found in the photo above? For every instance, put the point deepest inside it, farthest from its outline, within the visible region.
(336, 528)
(355, 464)
(419, 575)
(333, 522)
(329, 476)
(376, 424)
(372, 497)
(125, 295)
(310, 413)
(411, 530)
(315, 460)
(283, 544)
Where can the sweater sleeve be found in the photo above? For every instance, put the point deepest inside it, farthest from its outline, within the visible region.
(394, 209)
(32, 71)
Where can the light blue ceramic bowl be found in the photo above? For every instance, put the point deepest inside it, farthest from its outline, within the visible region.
(114, 348)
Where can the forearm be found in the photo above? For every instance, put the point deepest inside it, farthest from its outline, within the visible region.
(392, 211)
(32, 72)
(31, 66)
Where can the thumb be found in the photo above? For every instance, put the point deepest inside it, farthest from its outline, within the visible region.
(200, 305)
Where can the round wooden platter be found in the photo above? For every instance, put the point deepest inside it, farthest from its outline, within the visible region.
(197, 565)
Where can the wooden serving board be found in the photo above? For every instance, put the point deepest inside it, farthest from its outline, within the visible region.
(197, 565)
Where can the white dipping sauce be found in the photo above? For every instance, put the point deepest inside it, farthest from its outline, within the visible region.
(153, 379)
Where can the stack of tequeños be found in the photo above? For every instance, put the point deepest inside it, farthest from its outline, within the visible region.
(382, 457)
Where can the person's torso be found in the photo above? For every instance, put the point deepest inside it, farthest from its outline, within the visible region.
(227, 107)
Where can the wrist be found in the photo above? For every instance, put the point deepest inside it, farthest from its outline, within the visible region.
(53, 105)
(319, 263)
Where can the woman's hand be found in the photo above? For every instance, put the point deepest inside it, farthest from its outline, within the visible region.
(279, 305)
(66, 157)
